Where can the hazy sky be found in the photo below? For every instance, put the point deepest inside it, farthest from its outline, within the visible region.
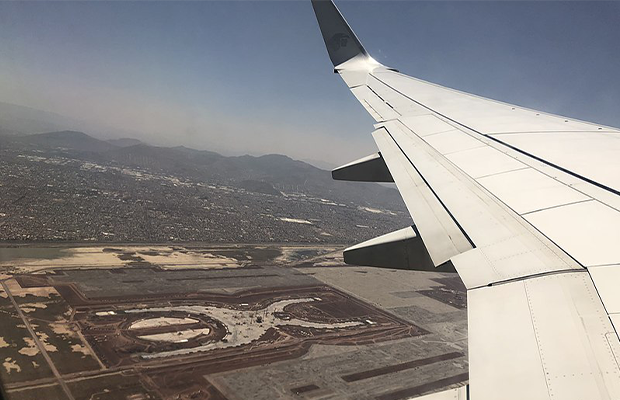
(254, 76)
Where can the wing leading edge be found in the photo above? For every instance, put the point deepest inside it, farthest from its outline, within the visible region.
(523, 204)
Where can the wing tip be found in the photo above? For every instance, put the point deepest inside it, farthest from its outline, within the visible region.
(341, 42)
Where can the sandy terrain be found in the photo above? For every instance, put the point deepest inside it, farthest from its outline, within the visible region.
(118, 256)
(11, 365)
(17, 291)
(30, 349)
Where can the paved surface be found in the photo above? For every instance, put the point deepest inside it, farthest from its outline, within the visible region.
(66, 325)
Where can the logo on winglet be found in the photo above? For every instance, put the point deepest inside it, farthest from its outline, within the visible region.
(337, 41)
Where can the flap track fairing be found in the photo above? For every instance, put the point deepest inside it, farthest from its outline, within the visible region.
(402, 249)
(367, 169)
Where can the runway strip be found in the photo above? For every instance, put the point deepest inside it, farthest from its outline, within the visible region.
(425, 388)
(358, 376)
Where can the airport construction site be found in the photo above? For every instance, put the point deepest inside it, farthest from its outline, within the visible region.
(223, 322)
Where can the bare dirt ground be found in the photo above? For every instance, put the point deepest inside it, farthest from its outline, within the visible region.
(223, 322)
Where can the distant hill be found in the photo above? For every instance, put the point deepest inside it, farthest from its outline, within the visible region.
(268, 174)
(71, 140)
(172, 160)
(265, 174)
(320, 164)
(124, 142)
(96, 190)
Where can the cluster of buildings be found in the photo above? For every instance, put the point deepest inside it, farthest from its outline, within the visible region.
(51, 197)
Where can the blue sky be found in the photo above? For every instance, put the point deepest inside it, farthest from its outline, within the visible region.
(253, 76)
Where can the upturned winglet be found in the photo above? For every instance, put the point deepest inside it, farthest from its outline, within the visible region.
(342, 44)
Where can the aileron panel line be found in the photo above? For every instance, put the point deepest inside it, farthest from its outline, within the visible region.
(385, 112)
(480, 114)
(589, 231)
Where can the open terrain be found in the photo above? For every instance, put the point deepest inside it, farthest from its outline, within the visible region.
(135, 272)
(68, 186)
(207, 321)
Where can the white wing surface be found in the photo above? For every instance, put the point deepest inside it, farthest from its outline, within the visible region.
(523, 204)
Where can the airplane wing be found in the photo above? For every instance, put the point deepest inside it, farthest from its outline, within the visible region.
(523, 204)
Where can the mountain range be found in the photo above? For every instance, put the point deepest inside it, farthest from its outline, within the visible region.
(264, 174)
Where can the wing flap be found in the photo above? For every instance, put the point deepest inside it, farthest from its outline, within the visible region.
(440, 233)
(520, 333)
(507, 247)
